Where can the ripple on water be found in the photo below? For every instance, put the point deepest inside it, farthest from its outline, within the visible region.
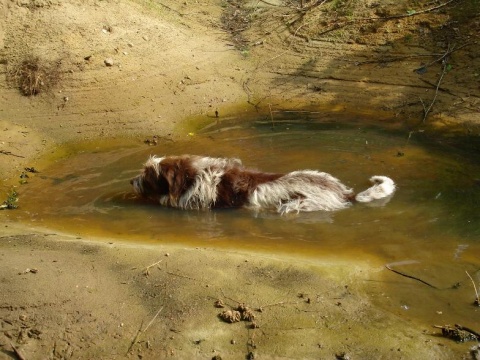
(89, 193)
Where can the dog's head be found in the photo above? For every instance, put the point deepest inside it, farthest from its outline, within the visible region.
(164, 179)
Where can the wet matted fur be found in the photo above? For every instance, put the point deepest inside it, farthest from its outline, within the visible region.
(199, 182)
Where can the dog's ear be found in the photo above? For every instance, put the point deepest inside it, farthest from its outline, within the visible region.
(179, 175)
(169, 180)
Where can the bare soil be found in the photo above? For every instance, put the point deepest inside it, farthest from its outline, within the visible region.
(137, 68)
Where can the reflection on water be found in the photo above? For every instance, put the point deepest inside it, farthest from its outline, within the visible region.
(431, 226)
(436, 198)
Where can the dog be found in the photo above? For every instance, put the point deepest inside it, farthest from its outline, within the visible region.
(199, 182)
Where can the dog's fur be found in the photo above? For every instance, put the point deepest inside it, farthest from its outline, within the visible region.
(196, 182)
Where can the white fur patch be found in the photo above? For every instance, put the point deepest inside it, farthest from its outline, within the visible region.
(383, 187)
(295, 192)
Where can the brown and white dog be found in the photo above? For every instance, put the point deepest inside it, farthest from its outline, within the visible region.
(197, 182)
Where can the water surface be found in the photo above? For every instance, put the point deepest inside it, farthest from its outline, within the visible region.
(429, 229)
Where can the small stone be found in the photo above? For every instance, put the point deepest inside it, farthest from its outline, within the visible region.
(108, 62)
(219, 304)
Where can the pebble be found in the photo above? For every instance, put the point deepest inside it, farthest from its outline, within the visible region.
(108, 61)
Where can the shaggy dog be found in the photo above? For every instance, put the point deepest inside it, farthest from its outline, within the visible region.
(197, 182)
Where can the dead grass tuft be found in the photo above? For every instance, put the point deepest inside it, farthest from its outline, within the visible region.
(34, 75)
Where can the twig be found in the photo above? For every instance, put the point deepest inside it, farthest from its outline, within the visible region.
(134, 341)
(284, 52)
(390, 59)
(448, 52)
(271, 116)
(427, 110)
(17, 352)
(409, 276)
(146, 271)
(279, 303)
(151, 321)
(477, 299)
(182, 276)
(140, 331)
(171, 9)
(229, 298)
(4, 152)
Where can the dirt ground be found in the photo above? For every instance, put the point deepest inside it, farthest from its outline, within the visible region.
(136, 68)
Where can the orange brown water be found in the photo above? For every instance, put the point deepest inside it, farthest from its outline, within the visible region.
(429, 229)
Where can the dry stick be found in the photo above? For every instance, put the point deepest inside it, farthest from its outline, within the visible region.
(409, 276)
(229, 298)
(448, 52)
(279, 303)
(140, 331)
(427, 110)
(477, 300)
(17, 352)
(182, 276)
(146, 272)
(271, 116)
(4, 152)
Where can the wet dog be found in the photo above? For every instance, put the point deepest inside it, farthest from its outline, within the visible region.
(198, 182)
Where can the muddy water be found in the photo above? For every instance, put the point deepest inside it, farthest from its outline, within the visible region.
(430, 229)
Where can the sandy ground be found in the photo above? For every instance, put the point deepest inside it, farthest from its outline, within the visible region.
(62, 297)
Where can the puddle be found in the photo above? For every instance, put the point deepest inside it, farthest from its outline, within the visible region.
(430, 229)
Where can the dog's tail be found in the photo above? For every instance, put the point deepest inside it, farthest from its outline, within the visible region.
(382, 187)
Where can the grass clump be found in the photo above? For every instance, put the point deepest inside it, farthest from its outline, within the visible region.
(34, 75)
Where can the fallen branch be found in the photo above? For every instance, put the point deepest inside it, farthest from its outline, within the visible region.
(410, 277)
